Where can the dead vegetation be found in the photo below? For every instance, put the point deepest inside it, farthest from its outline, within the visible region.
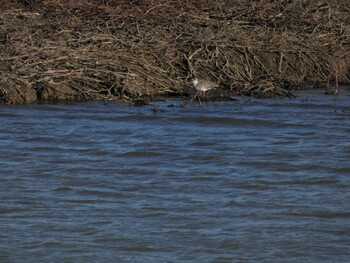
(123, 50)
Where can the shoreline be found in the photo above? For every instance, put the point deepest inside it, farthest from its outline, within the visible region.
(304, 95)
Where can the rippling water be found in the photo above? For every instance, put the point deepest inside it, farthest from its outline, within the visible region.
(242, 181)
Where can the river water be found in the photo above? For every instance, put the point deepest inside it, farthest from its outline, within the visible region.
(241, 181)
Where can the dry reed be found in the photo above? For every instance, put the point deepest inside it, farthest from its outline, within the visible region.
(123, 50)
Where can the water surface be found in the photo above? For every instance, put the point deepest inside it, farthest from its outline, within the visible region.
(242, 181)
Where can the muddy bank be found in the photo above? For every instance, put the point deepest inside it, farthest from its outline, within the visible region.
(125, 50)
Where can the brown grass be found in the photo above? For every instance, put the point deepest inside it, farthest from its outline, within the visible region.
(105, 49)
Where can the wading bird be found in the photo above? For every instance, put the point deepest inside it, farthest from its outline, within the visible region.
(202, 86)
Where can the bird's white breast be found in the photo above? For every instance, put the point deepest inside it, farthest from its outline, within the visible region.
(203, 85)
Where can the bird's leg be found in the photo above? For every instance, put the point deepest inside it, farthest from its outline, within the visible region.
(199, 99)
(195, 96)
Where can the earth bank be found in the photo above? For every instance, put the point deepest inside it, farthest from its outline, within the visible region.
(58, 50)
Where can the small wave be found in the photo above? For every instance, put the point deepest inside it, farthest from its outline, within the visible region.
(102, 193)
(63, 189)
(138, 154)
(321, 214)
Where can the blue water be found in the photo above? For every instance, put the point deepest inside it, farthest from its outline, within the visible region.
(242, 181)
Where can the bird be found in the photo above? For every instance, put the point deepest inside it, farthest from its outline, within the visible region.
(202, 86)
